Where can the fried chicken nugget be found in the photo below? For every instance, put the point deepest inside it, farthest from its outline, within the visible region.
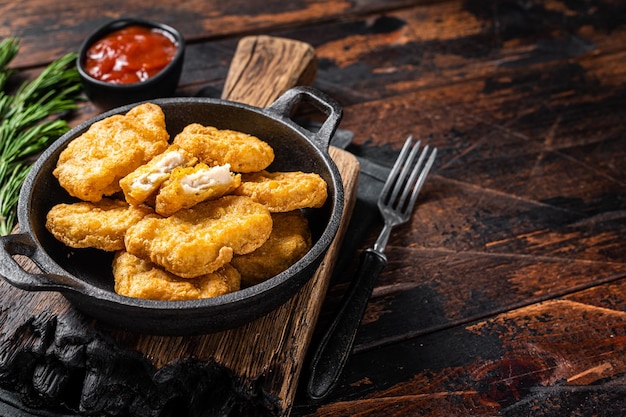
(189, 186)
(138, 278)
(290, 240)
(144, 181)
(100, 225)
(284, 191)
(93, 163)
(201, 239)
(244, 153)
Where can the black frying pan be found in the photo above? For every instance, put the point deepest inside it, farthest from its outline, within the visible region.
(84, 276)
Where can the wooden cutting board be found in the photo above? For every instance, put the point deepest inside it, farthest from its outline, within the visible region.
(53, 354)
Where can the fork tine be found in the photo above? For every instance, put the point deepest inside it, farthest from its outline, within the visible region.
(395, 170)
(414, 169)
(422, 177)
(405, 182)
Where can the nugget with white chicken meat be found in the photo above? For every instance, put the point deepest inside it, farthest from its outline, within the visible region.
(92, 165)
(203, 238)
(100, 225)
(289, 241)
(144, 181)
(189, 186)
(243, 152)
(284, 191)
(138, 278)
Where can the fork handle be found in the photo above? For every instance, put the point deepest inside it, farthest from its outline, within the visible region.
(336, 345)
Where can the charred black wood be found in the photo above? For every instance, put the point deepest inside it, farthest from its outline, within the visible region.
(53, 364)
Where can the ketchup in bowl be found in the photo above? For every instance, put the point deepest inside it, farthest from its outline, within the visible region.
(130, 55)
(129, 60)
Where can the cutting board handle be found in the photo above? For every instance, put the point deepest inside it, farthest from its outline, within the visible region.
(264, 67)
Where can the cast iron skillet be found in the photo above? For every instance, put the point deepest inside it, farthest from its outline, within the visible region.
(84, 276)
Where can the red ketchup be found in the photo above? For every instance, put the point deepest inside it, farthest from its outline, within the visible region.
(130, 55)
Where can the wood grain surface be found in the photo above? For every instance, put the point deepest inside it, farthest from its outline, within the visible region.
(505, 294)
(264, 67)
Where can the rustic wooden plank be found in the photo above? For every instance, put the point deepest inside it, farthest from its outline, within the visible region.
(528, 361)
(446, 43)
(454, 288)
(525, 201)
(379, 55)
(609, 296)
(51, 29)
(433, 45)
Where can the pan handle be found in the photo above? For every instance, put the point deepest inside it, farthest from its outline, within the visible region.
(284, 105)
(12, 272)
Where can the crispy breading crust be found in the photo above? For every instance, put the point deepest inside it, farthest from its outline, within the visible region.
(100, 225)
(138, 278)
(201, 239)
(144, 181)
(215, 204)
(93, 163)
(289, 241)
(244, 153)
(284, 191)
(182, 191)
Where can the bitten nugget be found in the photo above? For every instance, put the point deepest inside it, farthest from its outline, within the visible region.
(93, 163)
(100, 225)
(290, 240)
(189, 186)
(284, 191)
(138, 278)
(201, 239)
(144, 181)
(243, 152)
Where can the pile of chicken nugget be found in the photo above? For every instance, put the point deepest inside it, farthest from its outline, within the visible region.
(195, 217)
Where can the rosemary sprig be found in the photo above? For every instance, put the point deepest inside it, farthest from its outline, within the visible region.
(8, 50)
(13, 176)
(30, 119)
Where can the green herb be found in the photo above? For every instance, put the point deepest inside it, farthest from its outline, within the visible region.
(30, 119)
(8, 50)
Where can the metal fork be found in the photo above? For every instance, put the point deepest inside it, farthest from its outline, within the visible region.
(395, 204)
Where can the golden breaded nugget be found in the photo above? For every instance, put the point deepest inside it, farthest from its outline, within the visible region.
(201, 239)
(138, 278)
(144, 181)
(189, 186)
(284, 191)
(100, 225)
(290, 240)
(93, 163)
(243, 152)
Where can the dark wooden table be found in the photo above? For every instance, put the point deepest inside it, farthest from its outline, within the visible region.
(506, 293)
